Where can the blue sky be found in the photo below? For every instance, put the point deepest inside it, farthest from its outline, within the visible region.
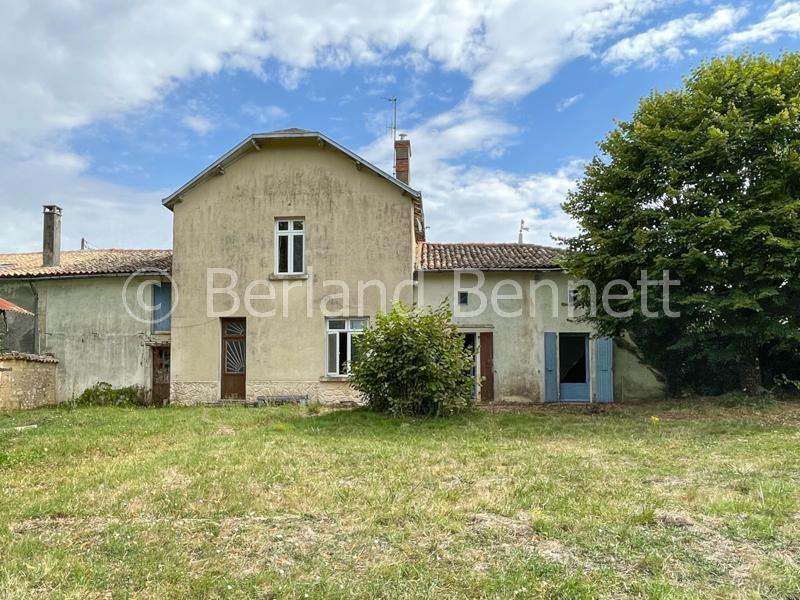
(106, 108)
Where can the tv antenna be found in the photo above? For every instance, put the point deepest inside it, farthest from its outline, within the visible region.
(393, 100)
(394, 117)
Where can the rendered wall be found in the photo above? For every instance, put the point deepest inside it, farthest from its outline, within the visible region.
(84, 324)
(358, 227)
(519, 340)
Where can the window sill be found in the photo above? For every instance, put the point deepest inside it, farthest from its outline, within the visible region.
(289, 276)
(334, 378)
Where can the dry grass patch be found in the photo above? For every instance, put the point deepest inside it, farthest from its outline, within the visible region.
(516, 502)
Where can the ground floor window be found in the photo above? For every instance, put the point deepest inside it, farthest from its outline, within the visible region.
(340, 337)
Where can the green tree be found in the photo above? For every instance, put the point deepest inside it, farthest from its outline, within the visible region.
(413, 363)
(704, 182)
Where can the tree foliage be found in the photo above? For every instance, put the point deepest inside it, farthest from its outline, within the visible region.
(704, 182)
(413, 363)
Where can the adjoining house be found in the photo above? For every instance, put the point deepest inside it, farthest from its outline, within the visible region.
(284, 250)
(86, 313)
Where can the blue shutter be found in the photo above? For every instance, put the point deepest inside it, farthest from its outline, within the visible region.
(162, 303)
(550, 368)
(604, 384)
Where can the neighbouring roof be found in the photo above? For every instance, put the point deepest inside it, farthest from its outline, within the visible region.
(77, 263)
(487, 257)
(253, 144)
(42, 358)
(6, 306)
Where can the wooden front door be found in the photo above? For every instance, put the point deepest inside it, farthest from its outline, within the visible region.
(486, 355)
(234, 353)
(161, 357)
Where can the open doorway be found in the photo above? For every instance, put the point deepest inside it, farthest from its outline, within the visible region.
(471, 344)
(573, 367)
(481, 344)
(160, 380)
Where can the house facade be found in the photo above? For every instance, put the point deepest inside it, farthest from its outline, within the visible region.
(295, 223)
(512, 302)
(284, 251)
(87, 315)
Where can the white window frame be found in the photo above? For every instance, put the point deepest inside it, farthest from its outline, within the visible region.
(351, 330)
(289, 233)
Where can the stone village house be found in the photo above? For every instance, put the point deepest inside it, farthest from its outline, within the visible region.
(297, 210)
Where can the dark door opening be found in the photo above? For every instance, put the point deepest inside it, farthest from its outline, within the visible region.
(161, 360)
(573, 366)
(234, 358)
(486, 357)
(470, 344)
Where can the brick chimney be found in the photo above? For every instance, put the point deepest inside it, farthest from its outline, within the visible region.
(402, 159)
(51, 236)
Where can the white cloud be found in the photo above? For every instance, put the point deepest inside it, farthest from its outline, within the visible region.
(68, 162)
(479, 204)
(523, 43)
(483, 205)
(264, 113)
(198, 124)
(107, 215)
(668, 42)
(782, 19)
(84, 62)
(567, 102)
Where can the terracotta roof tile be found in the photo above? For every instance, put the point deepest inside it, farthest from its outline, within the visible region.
(42, 358)
(489, 257)
(6, 306)
(86, 262)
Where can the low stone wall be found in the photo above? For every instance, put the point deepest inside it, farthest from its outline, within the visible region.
(27, 380)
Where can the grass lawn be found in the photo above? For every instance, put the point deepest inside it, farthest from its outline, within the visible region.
(554, 502)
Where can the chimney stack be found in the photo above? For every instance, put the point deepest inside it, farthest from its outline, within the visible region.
(51, 236)
(402, 159)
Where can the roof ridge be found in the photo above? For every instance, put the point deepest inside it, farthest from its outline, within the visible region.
(90, 250)
(486, 244)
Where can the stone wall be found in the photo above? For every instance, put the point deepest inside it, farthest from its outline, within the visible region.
(328, 392)
(27, 380)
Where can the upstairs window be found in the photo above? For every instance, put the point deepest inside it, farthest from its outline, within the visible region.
(290, 247)
(463, 298)
(340, 346)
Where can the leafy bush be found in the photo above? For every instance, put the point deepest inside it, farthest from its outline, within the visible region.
(104, 394)
(413, 363)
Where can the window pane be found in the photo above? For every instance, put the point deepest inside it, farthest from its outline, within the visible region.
(332, 353)
(297, 257)
(337, 324)
(298, 226)
(234, 328)
(283, 225)
(343, 352)
(353, 351)
(358, 324)
(234, 356)
(283, 254)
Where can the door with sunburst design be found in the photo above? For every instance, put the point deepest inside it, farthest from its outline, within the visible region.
(234, 358)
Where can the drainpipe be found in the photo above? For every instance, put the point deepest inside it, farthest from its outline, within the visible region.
(35, 317)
